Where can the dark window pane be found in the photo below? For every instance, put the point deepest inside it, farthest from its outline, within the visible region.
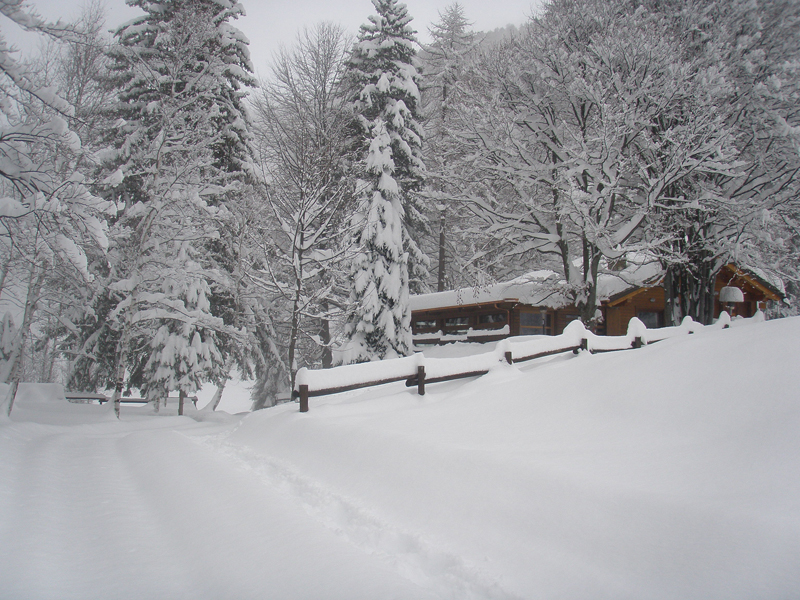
(652, 319)
(425, 324)
(531, 319)
(456, 322)
(494, 318)
(534, 323)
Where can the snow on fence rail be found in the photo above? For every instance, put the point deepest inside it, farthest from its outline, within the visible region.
(418, 370)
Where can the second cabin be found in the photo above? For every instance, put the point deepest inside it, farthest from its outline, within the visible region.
(535, 305)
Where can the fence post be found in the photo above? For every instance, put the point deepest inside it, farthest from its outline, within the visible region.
(583, 346)
(509, 358)
(304, 398)
(421, 380)
(181, 400)
(637, 342)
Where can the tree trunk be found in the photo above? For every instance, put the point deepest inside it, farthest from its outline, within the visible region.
(218, 394)
(11, 368)
(12, 394)
(440, 283)
(672, 314)
(325, 335)
(121, 357)
(690, 292)
(5, 269)
(294, 333)
(118, 386)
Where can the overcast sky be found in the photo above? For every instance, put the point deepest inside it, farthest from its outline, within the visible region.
(271, 22)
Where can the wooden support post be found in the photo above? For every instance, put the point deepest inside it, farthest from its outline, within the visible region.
(421, 381)
(584, 346)
(637, 342)
(509, 358)
(181, 400)
(303, 398)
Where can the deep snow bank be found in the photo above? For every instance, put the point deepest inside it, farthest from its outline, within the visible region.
(667, 472)
(672, 471)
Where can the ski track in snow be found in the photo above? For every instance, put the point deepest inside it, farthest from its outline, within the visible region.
(415, 558)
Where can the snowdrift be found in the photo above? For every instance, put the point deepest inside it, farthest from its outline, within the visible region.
(672, 471)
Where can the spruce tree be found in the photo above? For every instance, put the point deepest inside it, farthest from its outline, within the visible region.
(179, 148)
(386, 109)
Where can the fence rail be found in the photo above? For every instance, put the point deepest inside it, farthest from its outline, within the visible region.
(419, 371)
(91, 398)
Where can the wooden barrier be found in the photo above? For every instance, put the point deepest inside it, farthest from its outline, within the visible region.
(91, 397)
(304, 393)
(420, 378)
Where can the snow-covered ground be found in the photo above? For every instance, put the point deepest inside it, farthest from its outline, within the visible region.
(667, 472)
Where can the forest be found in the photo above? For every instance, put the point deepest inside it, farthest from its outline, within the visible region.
(168, 219)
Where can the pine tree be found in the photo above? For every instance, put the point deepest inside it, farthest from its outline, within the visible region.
(386, 106)
(179, 150)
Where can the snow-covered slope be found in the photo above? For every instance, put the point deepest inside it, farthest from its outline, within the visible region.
(667, 472)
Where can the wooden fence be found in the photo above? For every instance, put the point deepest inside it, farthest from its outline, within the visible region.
(419, 371)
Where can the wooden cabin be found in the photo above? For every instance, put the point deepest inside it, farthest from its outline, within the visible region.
(529, 305)
(533, 305)
(648, 302)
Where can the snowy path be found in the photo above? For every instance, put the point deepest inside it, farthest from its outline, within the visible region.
(112, 513)
(410, 552)
(671, 472)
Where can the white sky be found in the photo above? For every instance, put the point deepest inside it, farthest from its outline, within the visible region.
(271, 22)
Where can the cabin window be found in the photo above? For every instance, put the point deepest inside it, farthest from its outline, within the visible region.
(534, 323)
(652, 319)
(425, 324)
(492, 319)
(456, 322)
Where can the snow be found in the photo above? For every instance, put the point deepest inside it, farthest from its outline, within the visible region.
(666, 472)
(731, 294)
(470, 335)
(534, 288)
(542, 288)
(395, 368)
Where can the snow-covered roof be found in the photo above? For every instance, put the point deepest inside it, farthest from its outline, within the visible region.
(769, 279)
(540, 288)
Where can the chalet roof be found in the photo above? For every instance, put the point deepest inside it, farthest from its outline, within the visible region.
(538, 288)
(770, 282)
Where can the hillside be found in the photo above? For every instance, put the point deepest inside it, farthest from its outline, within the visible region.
(668, 472)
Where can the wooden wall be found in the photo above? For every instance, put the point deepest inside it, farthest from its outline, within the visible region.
(619, 315)
(754, 298)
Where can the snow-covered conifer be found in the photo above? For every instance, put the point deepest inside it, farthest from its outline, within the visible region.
(184, 350)
(386, 106)
(178, 149)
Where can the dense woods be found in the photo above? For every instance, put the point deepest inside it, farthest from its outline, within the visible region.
(166, 219)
